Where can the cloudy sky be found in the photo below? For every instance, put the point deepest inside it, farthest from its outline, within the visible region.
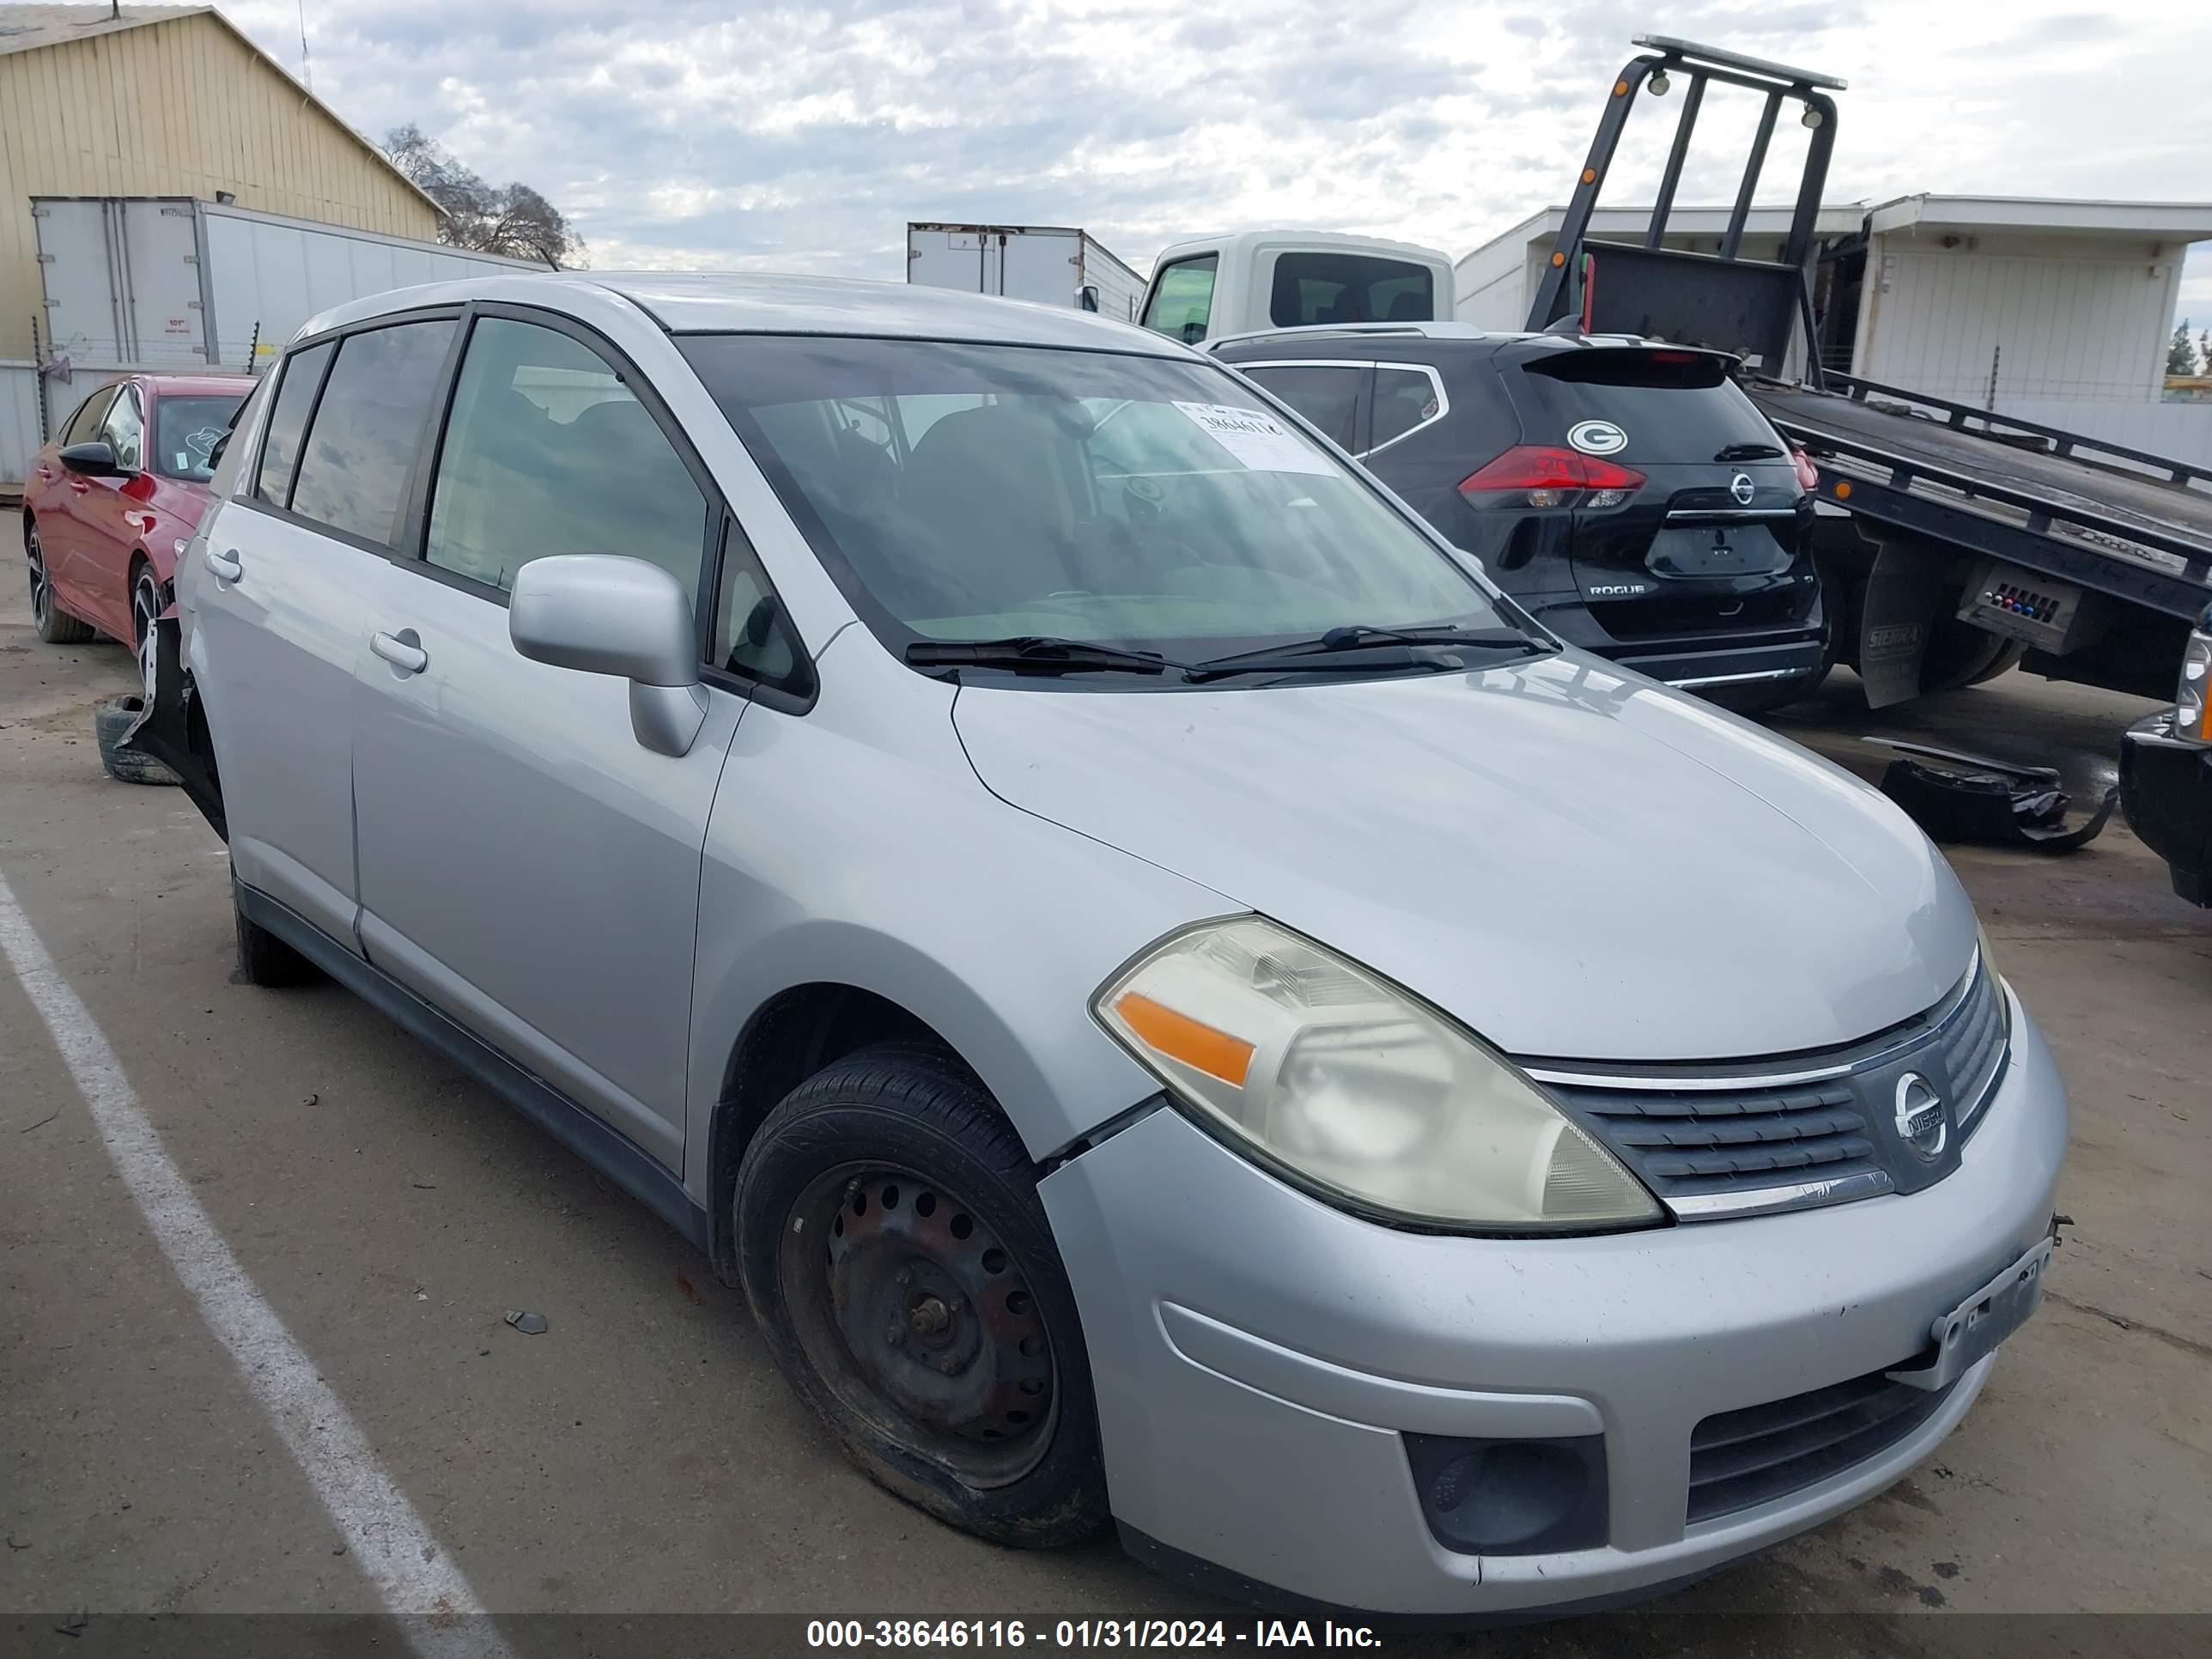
(733, 136)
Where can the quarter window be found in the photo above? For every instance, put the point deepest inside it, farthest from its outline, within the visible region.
(288, 421)
(752, 636)
(548, 451)
(124, 431)
(1404, 399)
(1327, 396)
(1182, 299)
(360, 447)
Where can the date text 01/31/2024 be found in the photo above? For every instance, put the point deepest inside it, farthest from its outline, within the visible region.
(1085, 1633)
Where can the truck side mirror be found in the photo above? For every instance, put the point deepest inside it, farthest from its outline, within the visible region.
(1086, 297)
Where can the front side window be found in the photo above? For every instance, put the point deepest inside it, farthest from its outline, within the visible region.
(1349, 288)
(1145, 503)
(1325, 394)
(84, 426)
(360, 447)
(124, 430)
(186, 429)
(1182, 299)
(752, 636)
(302, 375)
(548, 451)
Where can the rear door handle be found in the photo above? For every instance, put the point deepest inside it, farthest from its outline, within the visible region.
(401, 650)
(225, 566)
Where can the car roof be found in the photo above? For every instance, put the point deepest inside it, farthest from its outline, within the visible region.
(728, 302)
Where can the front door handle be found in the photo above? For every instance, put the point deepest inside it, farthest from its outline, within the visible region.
(79, 485)
(224, 565)
(402, 650)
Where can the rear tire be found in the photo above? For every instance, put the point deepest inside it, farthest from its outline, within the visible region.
(893, 1247)
(54, 625)
(110, 720)
(265, 960)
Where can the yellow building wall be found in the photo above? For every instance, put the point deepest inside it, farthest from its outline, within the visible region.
(182, 108)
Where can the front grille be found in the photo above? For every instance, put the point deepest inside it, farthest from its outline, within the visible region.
(1805, 1129)
(1741, 1458)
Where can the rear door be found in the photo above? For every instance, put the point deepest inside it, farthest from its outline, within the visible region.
(526, 865)
(291, 572)
(1711, 538)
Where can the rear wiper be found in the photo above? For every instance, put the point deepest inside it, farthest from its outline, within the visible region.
(1037, 653)
(1749, 453)
(1353, 648)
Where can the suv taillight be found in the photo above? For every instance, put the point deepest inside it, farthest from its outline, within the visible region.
(1537, 475)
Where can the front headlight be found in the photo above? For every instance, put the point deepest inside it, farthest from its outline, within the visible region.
(1342, 1079)
(2192, 714)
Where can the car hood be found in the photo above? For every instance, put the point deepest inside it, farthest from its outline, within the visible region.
(1574, 861)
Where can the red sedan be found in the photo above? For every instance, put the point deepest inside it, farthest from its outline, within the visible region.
(112, 499)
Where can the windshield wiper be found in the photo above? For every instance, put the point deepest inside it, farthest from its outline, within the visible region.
(1353, 648)
(1749, 453)
(1037, 653)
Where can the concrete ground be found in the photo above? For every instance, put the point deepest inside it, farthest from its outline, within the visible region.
(642, 1453)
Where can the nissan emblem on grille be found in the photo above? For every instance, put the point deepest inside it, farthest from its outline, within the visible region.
(1742, 489)
(1921, 1124)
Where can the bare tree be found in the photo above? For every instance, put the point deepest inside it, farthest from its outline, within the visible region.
(510, 218)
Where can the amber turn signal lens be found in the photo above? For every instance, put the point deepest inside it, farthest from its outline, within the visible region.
(1179, 1037)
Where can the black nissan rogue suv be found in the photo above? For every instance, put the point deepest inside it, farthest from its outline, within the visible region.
(1625, 491)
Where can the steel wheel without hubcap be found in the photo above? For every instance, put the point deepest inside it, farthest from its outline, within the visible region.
(145, 611)
(920, 1320)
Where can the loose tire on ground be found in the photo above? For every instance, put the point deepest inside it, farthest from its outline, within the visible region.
(111, 721)
(893, 1247)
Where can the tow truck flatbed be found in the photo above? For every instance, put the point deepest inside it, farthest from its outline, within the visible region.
(2072, 507)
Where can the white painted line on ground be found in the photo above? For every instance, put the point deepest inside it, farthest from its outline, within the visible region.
(412, 1572)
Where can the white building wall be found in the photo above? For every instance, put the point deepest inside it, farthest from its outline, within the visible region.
(2080, 319)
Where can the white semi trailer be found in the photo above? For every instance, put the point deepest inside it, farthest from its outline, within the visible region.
(1046, 265)
(176, 284)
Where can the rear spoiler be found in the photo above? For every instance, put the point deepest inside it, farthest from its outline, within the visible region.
(1650, 363)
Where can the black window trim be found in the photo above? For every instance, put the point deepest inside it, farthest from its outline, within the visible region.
(413, 538)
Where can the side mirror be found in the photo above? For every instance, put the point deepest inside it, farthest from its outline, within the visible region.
(602, 615)
(91, 461)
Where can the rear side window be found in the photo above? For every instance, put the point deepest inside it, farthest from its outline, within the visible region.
(288, 421)
(1673, 408)
(1349, 288)
(1182, 299)
(548, 451)
(1404, 399)
(353, 470)
(1324, 393)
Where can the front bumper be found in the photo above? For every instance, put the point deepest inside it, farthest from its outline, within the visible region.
(2166, 790)
(1259, 1355)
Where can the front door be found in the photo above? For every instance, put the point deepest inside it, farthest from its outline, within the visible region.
(290, 574)
(526, 864)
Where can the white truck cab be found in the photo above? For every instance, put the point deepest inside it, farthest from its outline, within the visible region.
(1209, 286)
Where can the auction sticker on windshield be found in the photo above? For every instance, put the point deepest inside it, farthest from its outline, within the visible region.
(1258, 440)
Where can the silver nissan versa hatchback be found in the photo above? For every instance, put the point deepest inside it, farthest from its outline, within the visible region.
(1177, 1002)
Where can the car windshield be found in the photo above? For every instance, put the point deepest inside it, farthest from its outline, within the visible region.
(980, 492)
(187, 426)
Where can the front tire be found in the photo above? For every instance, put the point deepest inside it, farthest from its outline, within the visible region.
(265, 960)
(54, 625)
(146, 609)
(893, 1247)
